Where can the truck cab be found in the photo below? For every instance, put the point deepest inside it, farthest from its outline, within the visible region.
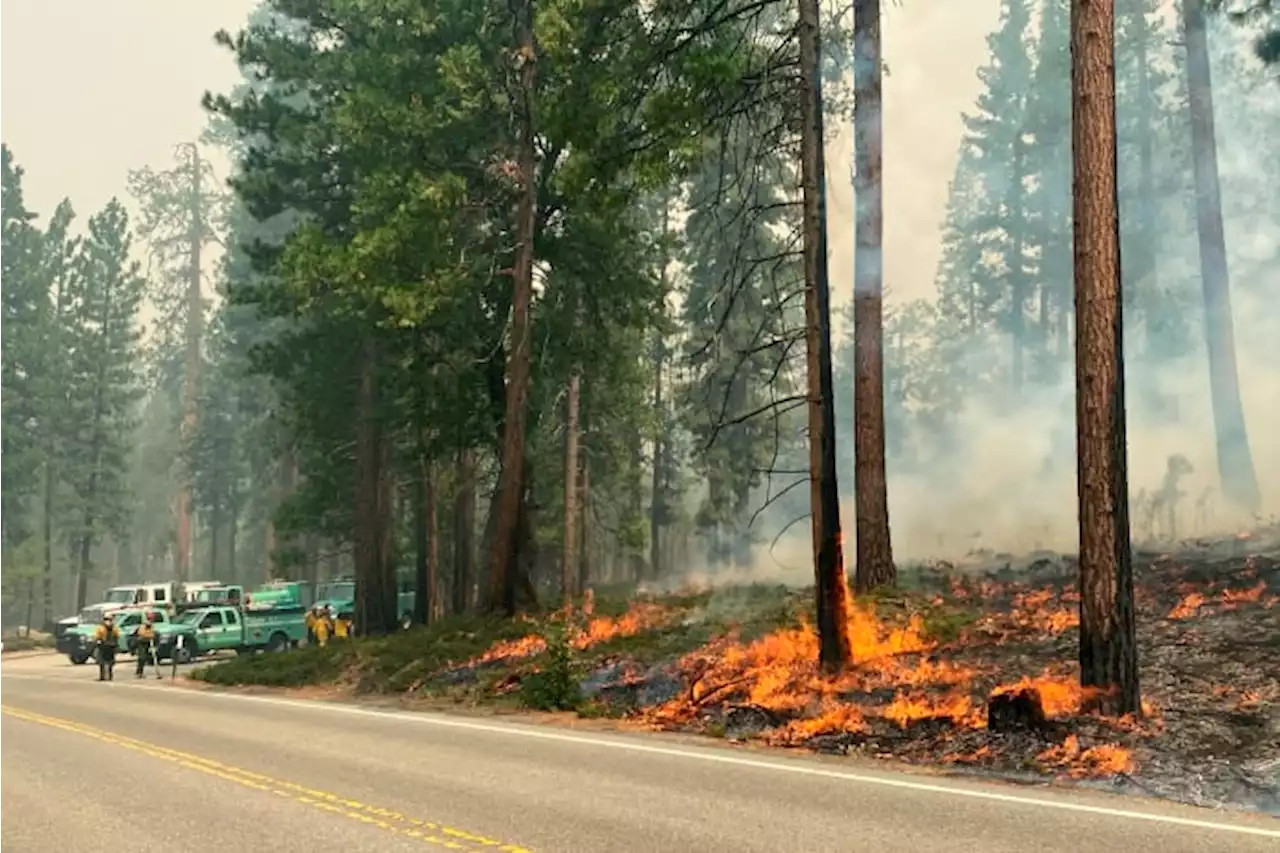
(191, 590)
(161, 593)
(229, 595)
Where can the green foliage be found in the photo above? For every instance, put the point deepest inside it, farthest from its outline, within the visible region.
(554, 685)
(26, 319)
(105, 294)
(303, 667)
(22, 566)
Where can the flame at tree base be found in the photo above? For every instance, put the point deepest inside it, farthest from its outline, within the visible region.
(779, 674)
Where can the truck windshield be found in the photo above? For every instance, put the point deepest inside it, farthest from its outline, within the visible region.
(120, 595)
(191, 617)
(217, 593)
(338, 591)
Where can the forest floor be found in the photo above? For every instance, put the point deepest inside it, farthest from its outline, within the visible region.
(931, 657)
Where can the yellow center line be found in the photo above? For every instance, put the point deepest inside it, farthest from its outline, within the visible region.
(426, 831)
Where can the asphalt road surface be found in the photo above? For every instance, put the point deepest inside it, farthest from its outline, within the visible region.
(172, 768)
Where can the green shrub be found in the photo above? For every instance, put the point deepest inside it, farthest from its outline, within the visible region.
(553, 687)
(298, 668)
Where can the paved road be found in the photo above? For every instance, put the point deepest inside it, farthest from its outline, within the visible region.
(211, 771)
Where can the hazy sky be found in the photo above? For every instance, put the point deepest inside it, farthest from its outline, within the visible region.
(94, 88)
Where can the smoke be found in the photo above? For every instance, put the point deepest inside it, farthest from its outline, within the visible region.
(974, 470)
(1001, 475)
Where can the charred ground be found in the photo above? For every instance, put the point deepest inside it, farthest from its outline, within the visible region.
(970, 666)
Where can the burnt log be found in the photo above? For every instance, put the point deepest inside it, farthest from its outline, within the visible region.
(1016, 710)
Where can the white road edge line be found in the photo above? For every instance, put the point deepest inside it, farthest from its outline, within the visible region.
(803, 769)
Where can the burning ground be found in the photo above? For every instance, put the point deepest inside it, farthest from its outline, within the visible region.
(969, 666)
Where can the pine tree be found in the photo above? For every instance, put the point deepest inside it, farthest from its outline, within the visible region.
(58, 252)
(740, 334)
(1049, 159)
(997, 137)
(102, 334)
(1153, 165)
(26, 317)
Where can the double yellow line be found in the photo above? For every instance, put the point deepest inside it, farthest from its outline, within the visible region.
(387, 820)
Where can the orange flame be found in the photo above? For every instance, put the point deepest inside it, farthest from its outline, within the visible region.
(641, 616)
(1106, 759)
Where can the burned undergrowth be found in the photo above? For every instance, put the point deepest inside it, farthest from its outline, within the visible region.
(968, 666)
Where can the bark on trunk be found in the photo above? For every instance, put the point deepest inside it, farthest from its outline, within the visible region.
(191, 373)
(504, 552)
(50, 484)
(1108, 646)
(269, 548)
(435, 607)
(658, 502)
(46, 579)
(1148, 245)
(569, 554)
(464, 532)
(426, 602)
(215, 530)
(1235, 461)
(874, 549)
(584, 565)
(831, 588)
(375, 596)
(287, 484)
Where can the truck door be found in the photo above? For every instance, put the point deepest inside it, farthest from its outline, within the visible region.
(234, 633)
(210, 631)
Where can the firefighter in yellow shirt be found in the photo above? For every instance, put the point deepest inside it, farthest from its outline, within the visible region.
(342, 626)
(146, 643)
(106, 638)
(323, 627)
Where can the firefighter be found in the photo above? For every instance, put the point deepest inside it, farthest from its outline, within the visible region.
(106, 640)
(146, 643)
(323, 627)
(312, 615)
(342, 626)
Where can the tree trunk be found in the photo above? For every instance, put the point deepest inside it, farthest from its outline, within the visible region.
(269, 547)
(232, 528)
(287, 546)
(464, 532)
(584, 565)
(1108, 645)
(84, 566)
(569, 554)
(191, 374)
(658, 503)
(1235, 462)
(375, 602)
(1146, 270)
(435, 606)
(421, 569)
(874, 550)
(215, 530)
(832, 588)
(504, 554)
(46, 580)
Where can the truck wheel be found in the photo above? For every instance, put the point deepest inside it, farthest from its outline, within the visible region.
(186, 654)
(278, 642)
(78, 660)
(406, 621)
